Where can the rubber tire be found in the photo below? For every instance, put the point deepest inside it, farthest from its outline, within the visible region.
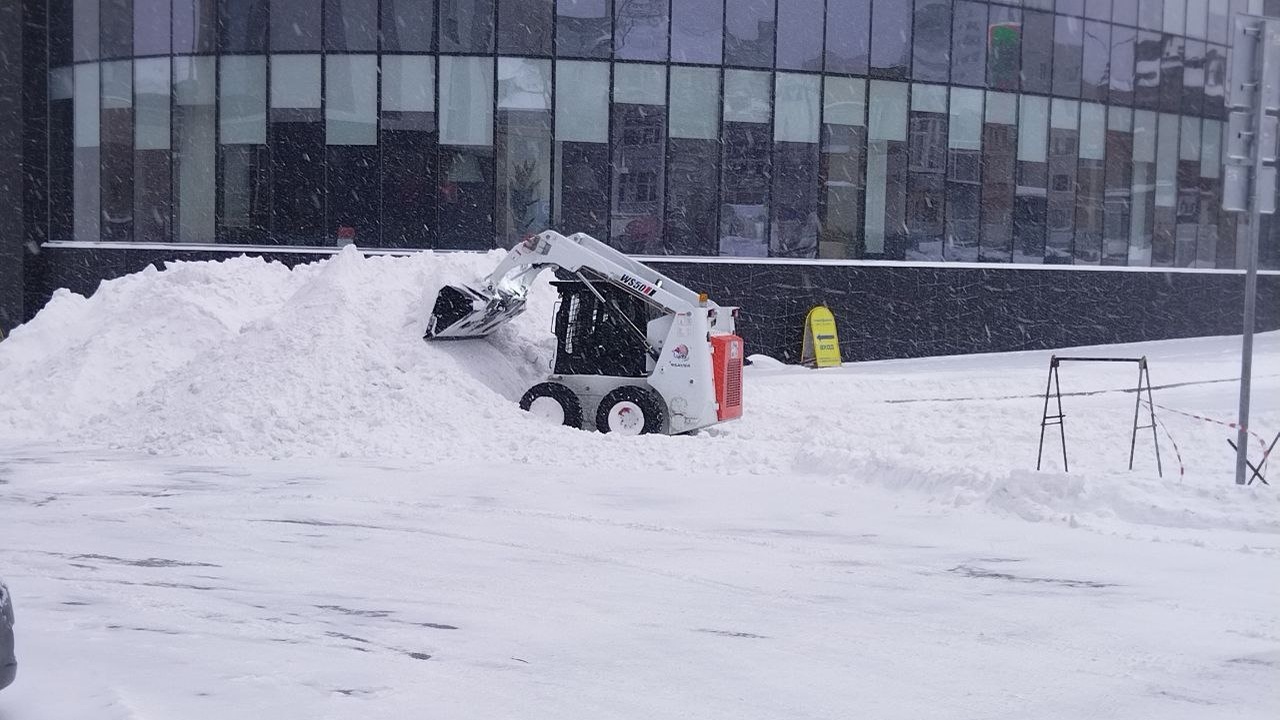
(647, 400)
(568, 401)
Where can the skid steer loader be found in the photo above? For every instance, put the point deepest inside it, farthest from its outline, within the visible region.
(636, 352)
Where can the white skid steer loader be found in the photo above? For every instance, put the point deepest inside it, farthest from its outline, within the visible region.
(636, 352)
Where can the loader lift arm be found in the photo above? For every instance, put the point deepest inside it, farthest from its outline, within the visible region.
(467, 312)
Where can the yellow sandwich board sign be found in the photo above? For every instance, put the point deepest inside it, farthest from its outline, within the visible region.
(821, 344)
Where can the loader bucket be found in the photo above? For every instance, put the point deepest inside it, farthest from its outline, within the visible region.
(465, 312)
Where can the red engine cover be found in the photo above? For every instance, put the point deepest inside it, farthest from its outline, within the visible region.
(726, 361)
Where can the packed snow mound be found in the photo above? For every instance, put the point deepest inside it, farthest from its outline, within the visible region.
(249, 357)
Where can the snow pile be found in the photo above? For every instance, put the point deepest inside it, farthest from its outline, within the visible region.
(249, 357)
(246, 358)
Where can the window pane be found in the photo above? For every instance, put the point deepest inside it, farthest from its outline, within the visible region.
(1175, 14)
(796, 108)
(522, 143)
(350, 25)
(1219, 22)
(794, 221)
(1120, 69)
(1095, 83)
(295, 81)
(1147, 72)
(1150, 14)
(1033, 138)
(583, 28)
(115, 39)
(195, 25)
(151, 85)
(1143, 213)
(117, 85)
(194, 151)
(466, 101)
(1068, 46)
(1090, 185)
(243, 25)
(1030, 206)
(744, 208)
(638, 157)
(524, 26)
(694, 111)
(1215, 78)
(1005, 48)
(408, 83)
(151, 162)
(969, 53)
(1119, 184)
(886, 169)
(746, 96)
(1070, 7)
(888, 119)
(151, 31)
(87, 183)
(891, 38)
(1198, 18)
(748, 33)
(466, 26)
(1211, 149)
(639, 84)
(844, 102)
(1125, 12)
(1098, 9)
(408, 25)
(524, 84)
(931, 52)
(848, 44)
(582, 150)
(693, 161)
(1037, 52)
(1064, 139)
(964, 175)
(641, 32)
(843, 171)
(965, 132)
(295, 25)
(999, 149)
(1093, 124)
(116, 151)
(800, 35)
(1166, 191)
(84, 14)
(1171, 73)
(243, 108)
(695, 30)
(351, 99)
(582, 101)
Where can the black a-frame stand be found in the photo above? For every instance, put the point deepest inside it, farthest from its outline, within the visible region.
(1054, 389)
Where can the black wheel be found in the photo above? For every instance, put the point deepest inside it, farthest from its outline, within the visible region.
(554, 402)
(630, 410)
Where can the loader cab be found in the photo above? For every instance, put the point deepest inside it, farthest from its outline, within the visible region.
(595, 338)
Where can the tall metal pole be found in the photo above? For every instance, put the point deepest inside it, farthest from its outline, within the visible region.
(1246, 348)
(1251, 271)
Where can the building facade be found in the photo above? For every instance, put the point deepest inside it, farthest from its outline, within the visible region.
(1016, 132)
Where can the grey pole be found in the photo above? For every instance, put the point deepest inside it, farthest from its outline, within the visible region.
(1246, 349)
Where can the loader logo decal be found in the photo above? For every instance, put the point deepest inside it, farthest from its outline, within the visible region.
(638, 285)
(680, 352)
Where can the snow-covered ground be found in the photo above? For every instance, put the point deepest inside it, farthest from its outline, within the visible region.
(232, 489)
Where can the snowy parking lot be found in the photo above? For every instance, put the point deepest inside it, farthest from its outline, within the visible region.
(232, 489)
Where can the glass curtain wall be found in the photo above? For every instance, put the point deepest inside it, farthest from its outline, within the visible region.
(1069, 131)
